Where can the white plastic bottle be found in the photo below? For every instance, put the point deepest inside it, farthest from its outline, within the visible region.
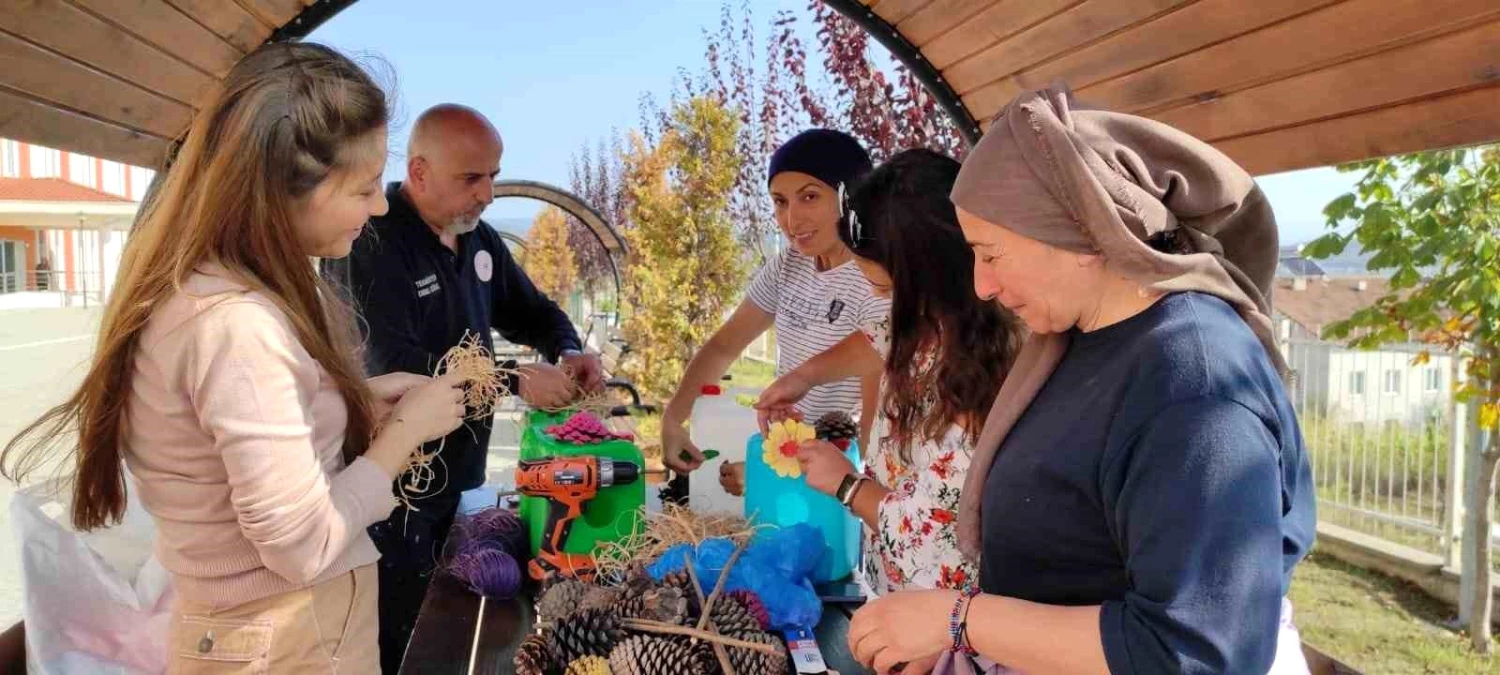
(718, 423)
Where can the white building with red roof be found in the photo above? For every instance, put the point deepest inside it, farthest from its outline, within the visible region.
(64, 218)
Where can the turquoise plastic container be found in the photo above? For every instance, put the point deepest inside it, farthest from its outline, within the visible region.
(774, 500)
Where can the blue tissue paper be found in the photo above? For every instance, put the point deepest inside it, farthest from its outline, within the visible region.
(775, 566)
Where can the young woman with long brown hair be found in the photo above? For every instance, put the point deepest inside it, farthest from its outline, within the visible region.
(226, 377)
(942, 353)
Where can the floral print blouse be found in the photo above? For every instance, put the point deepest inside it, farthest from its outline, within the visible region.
(915, 545)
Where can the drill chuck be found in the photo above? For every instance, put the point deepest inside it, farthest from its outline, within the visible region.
(617, 472)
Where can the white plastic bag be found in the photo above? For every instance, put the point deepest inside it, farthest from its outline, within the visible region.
(94, 602)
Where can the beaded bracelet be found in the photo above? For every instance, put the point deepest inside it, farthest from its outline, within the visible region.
(958, 622)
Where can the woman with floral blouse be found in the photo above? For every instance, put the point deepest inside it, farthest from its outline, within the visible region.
(942, 363)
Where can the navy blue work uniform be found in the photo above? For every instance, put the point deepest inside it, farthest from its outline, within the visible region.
(417, 299)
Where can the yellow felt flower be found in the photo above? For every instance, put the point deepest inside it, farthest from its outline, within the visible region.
(779, 451)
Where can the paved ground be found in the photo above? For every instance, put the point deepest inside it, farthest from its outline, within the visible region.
(43, 357)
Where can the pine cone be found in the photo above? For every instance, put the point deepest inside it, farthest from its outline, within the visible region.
(752, 604)
(657, 603)
(589, 665)
(700, 654)
(733, 619)
(683, 581)
(637, 581)
(646, 655)
(589, 632)
(836, 426)
(599, 597)
(533, 657)
(561, 600)
(679, 579)
(751, 661)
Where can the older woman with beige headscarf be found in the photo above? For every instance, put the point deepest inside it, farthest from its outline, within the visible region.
(1140, 493)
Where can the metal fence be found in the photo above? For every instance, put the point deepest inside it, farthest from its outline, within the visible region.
(1385, 440)
(71, 288)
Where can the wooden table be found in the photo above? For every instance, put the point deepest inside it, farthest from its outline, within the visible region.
(451, 632)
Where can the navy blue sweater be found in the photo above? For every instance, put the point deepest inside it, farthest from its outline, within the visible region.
(1159, 473)
(418, 299)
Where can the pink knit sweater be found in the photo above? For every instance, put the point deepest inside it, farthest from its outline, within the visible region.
(234, 440)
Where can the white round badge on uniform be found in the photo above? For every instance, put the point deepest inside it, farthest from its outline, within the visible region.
(484, 265)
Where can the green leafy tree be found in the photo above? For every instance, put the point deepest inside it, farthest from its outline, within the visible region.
(1432, 219)
(549, 257)
(685, 265)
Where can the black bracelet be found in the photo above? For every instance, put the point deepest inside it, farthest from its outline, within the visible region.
(963, 630)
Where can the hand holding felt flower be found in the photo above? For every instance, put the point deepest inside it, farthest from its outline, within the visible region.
(782, 445)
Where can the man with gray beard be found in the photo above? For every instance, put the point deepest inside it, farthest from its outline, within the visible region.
(421, 277)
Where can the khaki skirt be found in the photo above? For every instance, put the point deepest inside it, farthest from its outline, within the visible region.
(328, 628)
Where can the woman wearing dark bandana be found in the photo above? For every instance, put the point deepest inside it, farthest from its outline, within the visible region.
(1140, 492)
(812, 293)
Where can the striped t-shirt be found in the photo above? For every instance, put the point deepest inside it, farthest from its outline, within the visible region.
(815, 311)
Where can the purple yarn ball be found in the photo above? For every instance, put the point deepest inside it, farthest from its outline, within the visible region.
(489, 572)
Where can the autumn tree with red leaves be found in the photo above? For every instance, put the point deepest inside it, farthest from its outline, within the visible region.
(777, 90)
(594, 175)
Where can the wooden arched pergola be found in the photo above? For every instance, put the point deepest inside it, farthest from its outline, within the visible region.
(1277, 84)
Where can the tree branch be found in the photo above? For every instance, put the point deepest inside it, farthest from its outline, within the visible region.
(648, 626)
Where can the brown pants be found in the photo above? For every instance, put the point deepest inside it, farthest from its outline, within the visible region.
(327, 628)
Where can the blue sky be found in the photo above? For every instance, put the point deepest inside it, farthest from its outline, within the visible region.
(553, 79)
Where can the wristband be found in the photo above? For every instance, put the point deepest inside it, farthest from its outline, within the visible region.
(958, 623)
(849, 488)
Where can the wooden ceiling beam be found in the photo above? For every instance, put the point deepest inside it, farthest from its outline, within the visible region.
(1314, 41)
(169, 30)
(31, 121)
(1000, 22)
(80, 35)
(1196, 26)
(231, 22)
(50, 77)
(1464, 118)
(1059, 35)
(1464, 60)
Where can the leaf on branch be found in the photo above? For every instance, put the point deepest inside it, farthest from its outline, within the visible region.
(1326, 246)
(1340, 208)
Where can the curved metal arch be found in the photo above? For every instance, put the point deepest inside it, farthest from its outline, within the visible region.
(567, 201)
(312, 16)
(512, 239)
(573, 205)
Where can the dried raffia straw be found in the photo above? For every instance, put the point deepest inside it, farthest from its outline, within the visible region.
(673, 525)
(484, 380)
(484, 386)
(601, 403)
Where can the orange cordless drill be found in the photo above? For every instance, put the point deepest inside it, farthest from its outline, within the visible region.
(567, 483)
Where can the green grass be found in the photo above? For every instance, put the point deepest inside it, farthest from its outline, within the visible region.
(1377, 624)
(752, 374)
